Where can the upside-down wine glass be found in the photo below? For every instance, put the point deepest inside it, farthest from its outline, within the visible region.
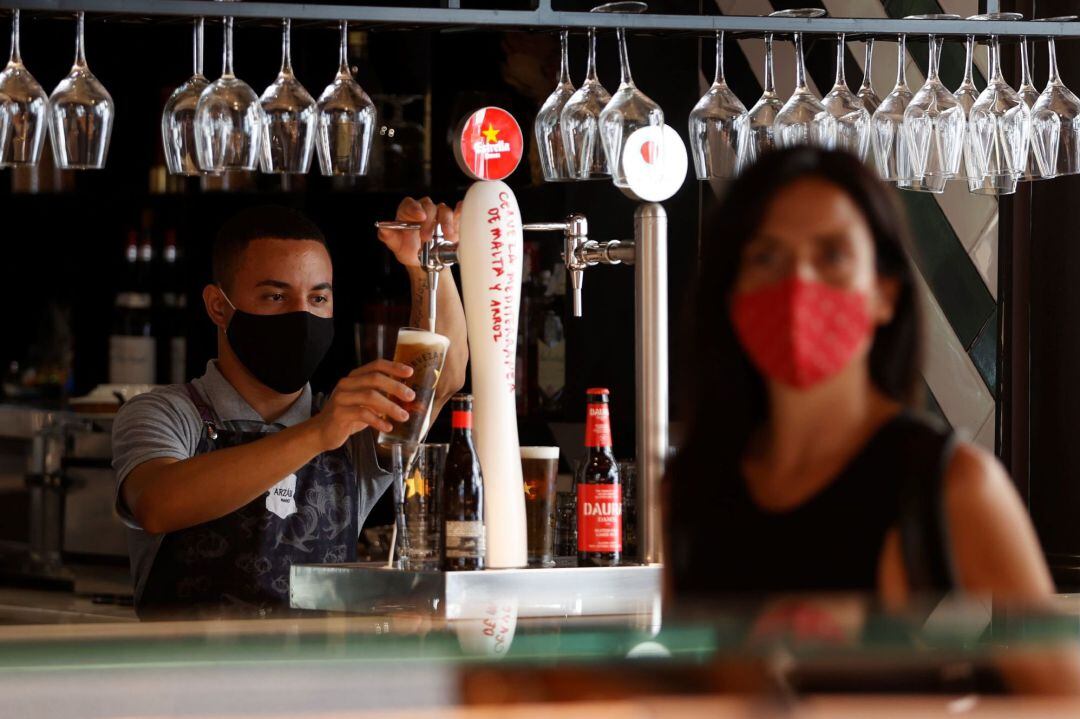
(27, 114)
(967, 94)
(999, 123)
(716, 122)
(887, 123)
(580, 123)
(81, 113)
(934, 124)
(1029, 95)
(548, 130)
(870, 99)
(852, 119)
(228, 118)
(178, 117)
(289, 115)
(803, 120)
(629, 109)
(346, 124)
(759, 134)
(1055, 120)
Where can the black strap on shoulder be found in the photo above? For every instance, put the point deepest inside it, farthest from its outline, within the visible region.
(924, 531)
(207, 415)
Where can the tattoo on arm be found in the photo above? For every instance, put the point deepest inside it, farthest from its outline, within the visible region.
(419, 314)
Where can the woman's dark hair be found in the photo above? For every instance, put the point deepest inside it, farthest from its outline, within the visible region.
(723, 391)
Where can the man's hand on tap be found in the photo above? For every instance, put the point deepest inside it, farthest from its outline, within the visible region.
(405, 244)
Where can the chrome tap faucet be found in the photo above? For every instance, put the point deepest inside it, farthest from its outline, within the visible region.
(436, 254)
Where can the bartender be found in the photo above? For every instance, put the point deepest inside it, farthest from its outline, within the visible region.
(227, 481)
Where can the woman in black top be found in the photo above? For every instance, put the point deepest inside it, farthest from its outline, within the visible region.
(804, 459)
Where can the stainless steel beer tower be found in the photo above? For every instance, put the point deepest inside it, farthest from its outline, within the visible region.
(651, 373)
(648, 253)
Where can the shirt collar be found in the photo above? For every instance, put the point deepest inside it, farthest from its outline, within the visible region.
(229, 406)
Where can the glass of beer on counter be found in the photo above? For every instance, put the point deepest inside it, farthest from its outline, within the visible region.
(425, 352)
(539, 468)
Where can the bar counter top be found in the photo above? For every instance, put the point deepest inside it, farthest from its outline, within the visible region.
(726, 660)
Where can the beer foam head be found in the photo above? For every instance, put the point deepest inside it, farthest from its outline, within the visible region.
(539, 452)
(414, 336)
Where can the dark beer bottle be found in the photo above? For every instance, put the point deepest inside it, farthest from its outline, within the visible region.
(599, 496)
(463, 493)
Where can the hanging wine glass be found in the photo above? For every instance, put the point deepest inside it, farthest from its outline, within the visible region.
(852, 119)
(178, 118)
(228, 119)
(547, 128)
(580, 122)
(289, 114)
(886, 124)
(81, 114)
(715, 125)
(870, 99)
(1029, 95)
(934, 124)
(803, 120)
(629, 108)
(346, 124)
(967, 94)
(26, 109)
(1055, 120)
(759, 134)
(1000, 123)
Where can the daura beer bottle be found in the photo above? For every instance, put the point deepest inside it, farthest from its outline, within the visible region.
(599, 495)
(463, 493)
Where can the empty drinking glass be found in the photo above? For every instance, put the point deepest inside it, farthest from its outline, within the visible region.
(966, 94)
(934, 125)
(887, 124)
(1055, 121)
(629, 108)
(1029, 95)
(803, 120)
(346, 122)
(759, 135)
(1000, 123)
(580, 121)
(548, 130)
(419, 509)
(852, 118)
(178, 118)
(81, 114)
(870, 99)
(228, 119)
(289, 113)
(715, 125)
(26, 110)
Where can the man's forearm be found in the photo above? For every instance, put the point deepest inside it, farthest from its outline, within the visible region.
(166, 497)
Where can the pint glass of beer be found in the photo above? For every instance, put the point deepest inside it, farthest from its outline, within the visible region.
(539, 469)
(425, 352)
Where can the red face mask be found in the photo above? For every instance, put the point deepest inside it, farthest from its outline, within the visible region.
(799, 332)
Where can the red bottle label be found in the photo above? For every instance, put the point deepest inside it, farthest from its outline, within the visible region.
(599, 518)
(461, 420)
(597, 425)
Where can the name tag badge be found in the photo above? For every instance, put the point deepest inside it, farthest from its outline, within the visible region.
(281, 501)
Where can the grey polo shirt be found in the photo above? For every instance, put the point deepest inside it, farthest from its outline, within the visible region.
(165, 423)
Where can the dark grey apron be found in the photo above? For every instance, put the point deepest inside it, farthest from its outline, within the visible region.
(238, 565)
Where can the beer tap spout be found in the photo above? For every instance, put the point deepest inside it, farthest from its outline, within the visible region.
(435, 255)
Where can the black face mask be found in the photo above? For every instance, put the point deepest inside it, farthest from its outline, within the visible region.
(281, 351)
